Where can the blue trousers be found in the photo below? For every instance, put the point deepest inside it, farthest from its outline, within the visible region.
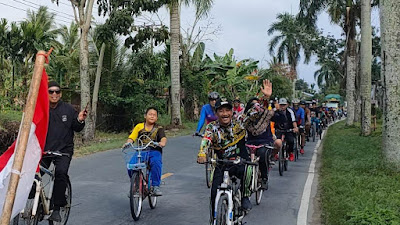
(155, 161)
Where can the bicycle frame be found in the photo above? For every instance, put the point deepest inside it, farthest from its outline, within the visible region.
(225, 189)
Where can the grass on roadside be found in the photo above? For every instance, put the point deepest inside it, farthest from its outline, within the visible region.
(357, 185)
(9, 116)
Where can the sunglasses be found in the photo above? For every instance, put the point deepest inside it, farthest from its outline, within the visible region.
(52, 92)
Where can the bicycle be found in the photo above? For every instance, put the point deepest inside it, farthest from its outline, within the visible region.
(228, 210)
(256, 181)
(209, 167)
(39, 206)
(140, 183)
(283, 154)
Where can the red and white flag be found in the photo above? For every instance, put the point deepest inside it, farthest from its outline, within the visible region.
(33, 154)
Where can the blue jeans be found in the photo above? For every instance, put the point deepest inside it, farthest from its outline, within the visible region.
(155, 161)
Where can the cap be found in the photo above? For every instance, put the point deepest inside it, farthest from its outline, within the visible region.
(220, 103)
(302, 102)
(237, 99)
(53, 84)
(283, 101)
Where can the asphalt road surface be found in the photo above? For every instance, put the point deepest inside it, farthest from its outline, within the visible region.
(100, 186)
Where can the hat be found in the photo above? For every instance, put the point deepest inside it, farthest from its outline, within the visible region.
(296, 101)
(220, 103)
(302, 102)
(53, 84)
(283, 101)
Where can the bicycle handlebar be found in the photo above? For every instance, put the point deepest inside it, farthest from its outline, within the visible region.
(55, 153)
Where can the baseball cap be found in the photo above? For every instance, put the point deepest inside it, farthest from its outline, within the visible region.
(283, 101)
(53, 84)
(220, 103)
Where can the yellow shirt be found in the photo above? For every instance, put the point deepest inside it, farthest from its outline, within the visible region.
(135, 133)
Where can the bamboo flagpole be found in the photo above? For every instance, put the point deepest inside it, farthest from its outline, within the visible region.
(23, 137)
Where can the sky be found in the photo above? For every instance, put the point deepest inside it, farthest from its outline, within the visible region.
(243, 25)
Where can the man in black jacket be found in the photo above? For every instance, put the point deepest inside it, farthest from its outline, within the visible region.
(64, 120)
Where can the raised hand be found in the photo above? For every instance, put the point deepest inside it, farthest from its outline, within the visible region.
(266, 89)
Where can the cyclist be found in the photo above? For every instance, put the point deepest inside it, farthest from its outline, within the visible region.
(207, 113)
(227, 138)
(315, 120)
(307, 118)
(285, 119)
(300, 122)
(156, 132)
(259, 132)
(238, 108)
(64, 120)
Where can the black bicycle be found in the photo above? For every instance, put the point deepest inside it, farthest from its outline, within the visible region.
(283, 152)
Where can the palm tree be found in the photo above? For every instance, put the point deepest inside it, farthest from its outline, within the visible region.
(329, 73)
(293, 38)
(390, 75)
(202, 8)
(345, 13)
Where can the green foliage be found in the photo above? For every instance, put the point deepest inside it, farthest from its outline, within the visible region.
(141, 83)
(357, 185)
(121, 21)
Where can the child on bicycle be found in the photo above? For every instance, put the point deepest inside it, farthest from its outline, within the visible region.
(315, 119)
(156, 133)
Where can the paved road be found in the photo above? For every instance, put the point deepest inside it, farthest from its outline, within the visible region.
(100, 186)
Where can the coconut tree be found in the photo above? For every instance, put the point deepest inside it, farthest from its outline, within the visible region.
(202, 8)
(292, 38)
(390, 25)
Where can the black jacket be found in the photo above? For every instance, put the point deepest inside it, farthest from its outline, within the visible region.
(284, 119)
(63, 121)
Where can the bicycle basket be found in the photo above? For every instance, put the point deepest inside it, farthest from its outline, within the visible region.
(130, 158)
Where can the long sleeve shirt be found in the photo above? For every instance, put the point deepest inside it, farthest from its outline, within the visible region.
(206, 115)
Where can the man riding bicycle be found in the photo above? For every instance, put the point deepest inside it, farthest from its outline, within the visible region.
(227, 138)
(64, 120)
(300, 119)
(207, 113)
(157, 134)
(285, 119)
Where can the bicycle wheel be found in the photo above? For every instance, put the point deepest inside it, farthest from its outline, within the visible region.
(281, 159)
(136, 194)
(222, 210)
(64, 211)
(26, 217)
(152, 198)
(285, 162)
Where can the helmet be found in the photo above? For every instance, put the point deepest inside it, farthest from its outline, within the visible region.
(296, 101)
(213, 95)
(302, 102)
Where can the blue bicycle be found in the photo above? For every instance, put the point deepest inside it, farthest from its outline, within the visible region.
(140, 186)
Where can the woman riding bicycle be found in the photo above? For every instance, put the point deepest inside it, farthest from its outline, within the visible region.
(154, 153)
(207, 113)
(259, 132)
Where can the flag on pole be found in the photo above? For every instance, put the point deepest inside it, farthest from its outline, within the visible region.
(33, 154)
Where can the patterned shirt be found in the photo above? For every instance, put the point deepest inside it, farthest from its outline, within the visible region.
(227, 142)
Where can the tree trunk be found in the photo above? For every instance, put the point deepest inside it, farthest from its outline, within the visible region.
(351, 69)
(85, 17)
(357, 94)
(85, 83)
(175, 67)
(390, 30)
(350, 86)
(96, 89)
(366, 54)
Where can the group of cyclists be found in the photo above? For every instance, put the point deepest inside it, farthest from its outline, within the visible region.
(230, 127)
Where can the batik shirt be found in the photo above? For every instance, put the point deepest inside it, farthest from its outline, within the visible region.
(227, 142)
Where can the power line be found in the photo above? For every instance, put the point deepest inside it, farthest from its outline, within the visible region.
(35, 7)
(25, 10)
(51, 9)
